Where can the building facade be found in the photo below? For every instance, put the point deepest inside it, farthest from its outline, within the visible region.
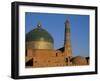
(40, 50)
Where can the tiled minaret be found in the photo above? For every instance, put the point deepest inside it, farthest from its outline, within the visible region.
(67, 43)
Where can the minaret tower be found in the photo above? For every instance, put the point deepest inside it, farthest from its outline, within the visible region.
(67, 43)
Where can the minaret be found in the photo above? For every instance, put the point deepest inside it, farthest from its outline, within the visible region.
(67, 43)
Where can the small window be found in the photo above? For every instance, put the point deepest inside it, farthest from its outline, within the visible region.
(48, 60)
(56, 54)
(66, 59)
(35, 61)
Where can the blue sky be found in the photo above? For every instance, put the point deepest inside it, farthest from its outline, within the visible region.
(54, 24)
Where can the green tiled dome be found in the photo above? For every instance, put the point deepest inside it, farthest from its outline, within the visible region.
(39, 34)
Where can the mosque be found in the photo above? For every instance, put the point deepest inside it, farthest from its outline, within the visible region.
(40, 50)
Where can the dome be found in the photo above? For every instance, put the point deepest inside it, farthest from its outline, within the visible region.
(79, 60)
(39, 38)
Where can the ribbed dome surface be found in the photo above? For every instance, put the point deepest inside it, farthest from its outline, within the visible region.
(39, 38)
(39, 34)
(79, 60)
